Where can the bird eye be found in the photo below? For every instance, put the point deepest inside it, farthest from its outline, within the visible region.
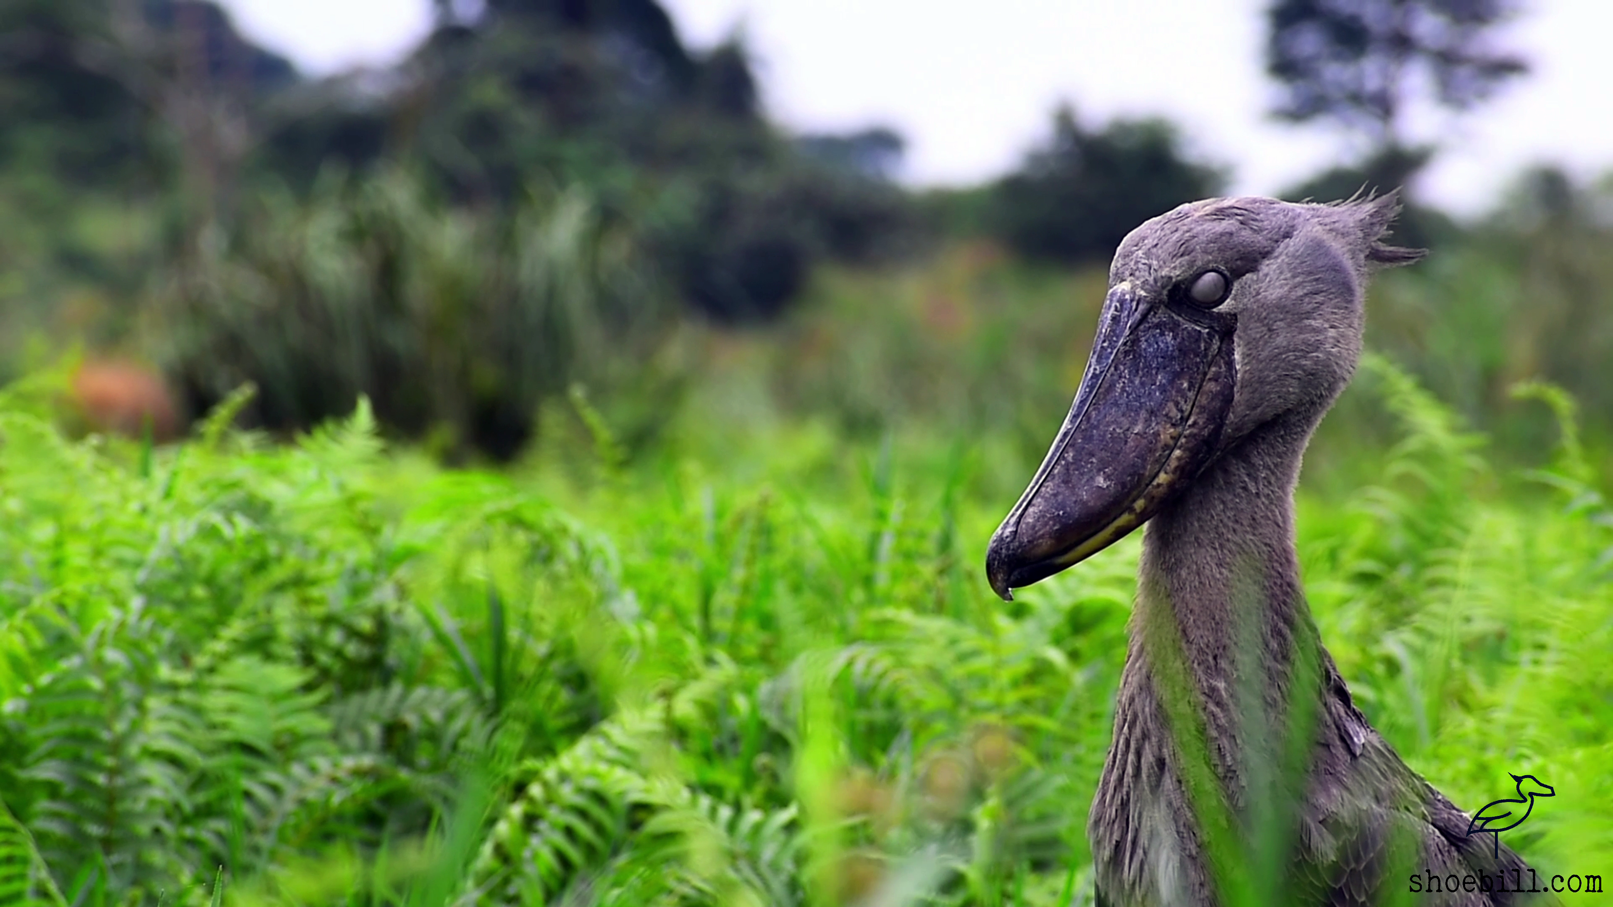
(1210, 289)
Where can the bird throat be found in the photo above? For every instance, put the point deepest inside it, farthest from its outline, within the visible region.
(1219, 583)
(1221, 690)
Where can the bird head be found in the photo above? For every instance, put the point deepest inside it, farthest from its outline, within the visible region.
(1530, 786)
(1221, 316)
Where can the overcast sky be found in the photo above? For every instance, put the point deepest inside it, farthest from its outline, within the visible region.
(971, 85)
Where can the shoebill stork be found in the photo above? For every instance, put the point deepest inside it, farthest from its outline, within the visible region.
(1229, 328)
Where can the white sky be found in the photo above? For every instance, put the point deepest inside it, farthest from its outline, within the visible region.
(971, 85)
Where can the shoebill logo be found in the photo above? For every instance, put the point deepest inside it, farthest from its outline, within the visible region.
(1508, 813)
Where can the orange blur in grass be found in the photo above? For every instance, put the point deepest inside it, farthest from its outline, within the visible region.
(120, 397)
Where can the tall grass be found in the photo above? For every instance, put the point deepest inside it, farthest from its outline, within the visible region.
(457, 323)
(766, 671)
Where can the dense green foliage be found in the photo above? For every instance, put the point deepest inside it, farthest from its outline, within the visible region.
(457, 326)
(529, 179)
(604, 94)
(1075, 198)
(760, 669)
(163, 100)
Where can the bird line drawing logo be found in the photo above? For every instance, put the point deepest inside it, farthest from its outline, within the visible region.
(1503, 815)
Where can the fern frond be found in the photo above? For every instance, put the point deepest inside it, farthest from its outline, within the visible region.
(25, 880)
(424, 728)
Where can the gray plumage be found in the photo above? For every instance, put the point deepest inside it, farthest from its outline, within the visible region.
(1219, 574)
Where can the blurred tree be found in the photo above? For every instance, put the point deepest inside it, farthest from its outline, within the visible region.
(640, 30)
(742, 245)
(343, 121)
(199, 34)
(1545, 195)
(204, 83)
(1077, 198)
(61, 117)
(104, 92)
(603, 94)
(875, 152)
(1382, 170)
(1359, 63)
(727, 85)
(505, 100)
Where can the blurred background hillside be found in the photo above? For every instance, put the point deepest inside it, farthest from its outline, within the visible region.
(531, 196)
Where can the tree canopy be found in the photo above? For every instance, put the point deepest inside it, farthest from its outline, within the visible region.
(1076, 198)
(1358, 62)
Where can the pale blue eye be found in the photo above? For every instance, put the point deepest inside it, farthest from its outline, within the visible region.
(1209, 288)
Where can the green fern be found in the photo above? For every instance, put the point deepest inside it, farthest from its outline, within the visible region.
(25, 880)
